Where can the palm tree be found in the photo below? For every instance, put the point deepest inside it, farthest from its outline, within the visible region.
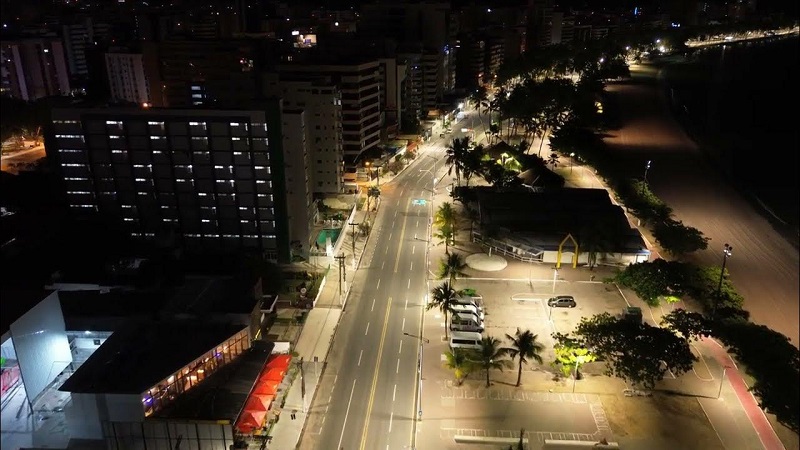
(490, 356)
(457, 360)
(553, 159)
(524, 344)
(443, 297)
(455, 155)
(445, 234)
(446, 216)
(452, 266)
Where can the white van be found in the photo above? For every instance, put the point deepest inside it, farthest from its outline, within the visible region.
(468, 309)
(474, 301)
(465, 339)
(465, 322)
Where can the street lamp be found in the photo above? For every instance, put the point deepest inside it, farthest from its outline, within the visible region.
(419, 371)
(354, 225)
(571, 161)
(727, 251)
(646, 168)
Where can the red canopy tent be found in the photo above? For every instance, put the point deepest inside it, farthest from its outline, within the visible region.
(249, 420)
(266, 387)
(265, 400)
(272, 375)
(255, 404)
(279, 362)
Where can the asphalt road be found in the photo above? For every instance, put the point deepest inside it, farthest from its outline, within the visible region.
(373, 402)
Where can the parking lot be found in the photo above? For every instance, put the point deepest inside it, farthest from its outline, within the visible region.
(550, 407)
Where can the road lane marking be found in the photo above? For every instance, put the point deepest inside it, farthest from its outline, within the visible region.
(401, 348)
(417, 223)
(373, 305)
(402, 235)
(413, 249)
(344, 425)
(359, 357)
(383, 264)
(374, 380)
(411, 270)
(391, 416)
(409, 282)
(367, 330)
(406, 306)
(379, 284)
(390, 235)
(397, 370)
(402, 328)
(394, 393)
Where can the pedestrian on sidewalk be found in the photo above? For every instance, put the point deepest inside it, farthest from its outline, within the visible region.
(294, 414)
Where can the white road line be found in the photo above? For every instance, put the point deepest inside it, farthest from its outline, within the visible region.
(391, 416)
(406, 306)
(404, 324)
(409, 283)
(347, 412)
(413, 249)
(367, 330)
(401, 348)
(379, 284)
(411, 269)
(390, 235)
(359, 357)
(373, 305)
(383, 264)
(417, 222)
(394, 393)
(398, 366)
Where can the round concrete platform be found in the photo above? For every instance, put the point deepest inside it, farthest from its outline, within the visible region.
(486, 263)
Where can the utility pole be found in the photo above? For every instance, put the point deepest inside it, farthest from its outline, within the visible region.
(353, 224)
(342, 274)
(303, 386)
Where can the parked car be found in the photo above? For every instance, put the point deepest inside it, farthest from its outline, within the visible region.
(562, 301)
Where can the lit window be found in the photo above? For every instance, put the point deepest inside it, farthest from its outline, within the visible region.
(195, 124)
(236, 139)
(113, 122)
(234, 124)
(155, 138)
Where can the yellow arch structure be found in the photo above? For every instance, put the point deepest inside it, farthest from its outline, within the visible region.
(561, 246)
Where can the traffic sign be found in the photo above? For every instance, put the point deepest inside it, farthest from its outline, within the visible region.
(419, 202)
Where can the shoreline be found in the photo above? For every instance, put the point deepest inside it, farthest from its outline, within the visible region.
(713, 155)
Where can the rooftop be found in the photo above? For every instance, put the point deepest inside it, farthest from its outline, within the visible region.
(224, 393)
(14, 303)
(146, 352)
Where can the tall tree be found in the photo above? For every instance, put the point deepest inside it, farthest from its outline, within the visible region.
(491, 356)
(524, 345)
(451, 267)
(455, 156)
(443, 297)
(458, 361)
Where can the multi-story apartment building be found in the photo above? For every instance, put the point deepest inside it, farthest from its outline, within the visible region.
(33, 68)
(412, 88)
(427, 28)
(321, 100)
(213, 179)
(212, 73)
(79, 35)
(126, 77)
(392, 76)
(359, 83)
(300, 208)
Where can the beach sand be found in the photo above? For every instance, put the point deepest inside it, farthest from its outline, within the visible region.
(764, 266)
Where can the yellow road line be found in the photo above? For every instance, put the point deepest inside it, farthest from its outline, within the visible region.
(375, 376)
(402, 234)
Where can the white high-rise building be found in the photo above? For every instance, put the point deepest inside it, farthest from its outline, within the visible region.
(322, 102)
(126, 77)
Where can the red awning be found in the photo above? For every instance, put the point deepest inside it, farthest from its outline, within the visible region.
(266, 387)
(279, 362)
(265, 400)
(255, 404)
(272, 375)
(250, 420)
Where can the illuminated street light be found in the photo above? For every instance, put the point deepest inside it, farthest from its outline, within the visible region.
(727, 251)
(646, 168)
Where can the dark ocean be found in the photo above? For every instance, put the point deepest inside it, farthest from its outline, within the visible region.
(739, 102)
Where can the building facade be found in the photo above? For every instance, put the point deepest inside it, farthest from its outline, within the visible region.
(359, 83)
(212, 179)
(33, 68)
(321, 99)
(126, 77)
